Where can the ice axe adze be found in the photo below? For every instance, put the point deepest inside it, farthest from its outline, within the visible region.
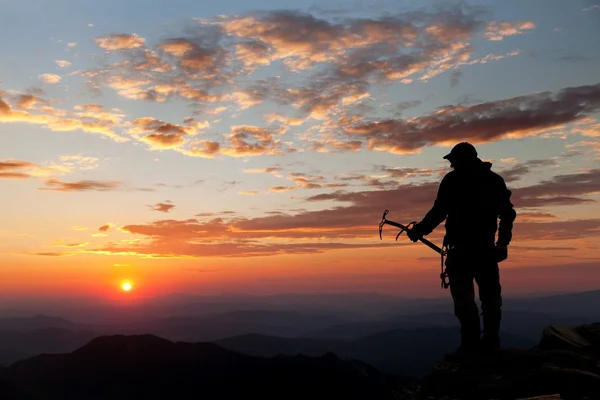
(439, 250)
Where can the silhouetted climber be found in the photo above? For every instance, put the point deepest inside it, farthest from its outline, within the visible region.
(471, 199)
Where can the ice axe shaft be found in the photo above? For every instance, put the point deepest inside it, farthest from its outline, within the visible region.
(405, 228)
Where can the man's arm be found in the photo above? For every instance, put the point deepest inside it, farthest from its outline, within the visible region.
(507, 215)
(437, 214)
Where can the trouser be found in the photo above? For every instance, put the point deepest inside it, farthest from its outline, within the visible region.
(463, 268)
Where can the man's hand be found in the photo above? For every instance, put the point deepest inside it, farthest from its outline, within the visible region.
(414, 234)
(501, 253)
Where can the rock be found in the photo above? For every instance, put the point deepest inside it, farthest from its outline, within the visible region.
(513, 374)
(584, 339)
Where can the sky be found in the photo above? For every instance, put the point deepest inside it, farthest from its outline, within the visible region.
(252, 147)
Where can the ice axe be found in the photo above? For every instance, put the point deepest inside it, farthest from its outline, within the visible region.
(439, 250)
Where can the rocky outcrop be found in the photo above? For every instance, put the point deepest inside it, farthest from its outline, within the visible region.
(564, 366)
(584, 339)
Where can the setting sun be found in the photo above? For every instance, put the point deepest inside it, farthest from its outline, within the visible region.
(126, 286)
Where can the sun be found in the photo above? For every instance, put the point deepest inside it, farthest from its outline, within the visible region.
(126, 286)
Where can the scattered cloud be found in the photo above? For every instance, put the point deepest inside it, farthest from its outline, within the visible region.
(15, 169)
(499, 30)
(120, 41)
(48, 254)
(103, 123)
(105, 227)
(566, 189)
(207, 65)
(163, 207)
(72, 245)
(81, 186)
(276, 171)
(592, 7)
(27, 101)
(50, 79)
(282, 188)
(63, 63)
(518, 170)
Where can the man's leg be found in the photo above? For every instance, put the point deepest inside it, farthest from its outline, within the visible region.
(465, 308)
(490, 294)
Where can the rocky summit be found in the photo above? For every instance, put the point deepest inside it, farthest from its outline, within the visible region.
(565, 365)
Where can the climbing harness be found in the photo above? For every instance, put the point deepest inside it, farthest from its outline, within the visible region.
(443, 251)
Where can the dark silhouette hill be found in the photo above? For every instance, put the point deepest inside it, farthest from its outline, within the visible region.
(411, 352)
(149, 367)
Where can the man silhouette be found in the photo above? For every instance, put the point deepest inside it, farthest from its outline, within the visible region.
(471, 199)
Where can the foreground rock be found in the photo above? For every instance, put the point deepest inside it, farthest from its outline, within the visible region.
(564, 366)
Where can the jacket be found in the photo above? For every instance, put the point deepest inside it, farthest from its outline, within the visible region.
(471, 200)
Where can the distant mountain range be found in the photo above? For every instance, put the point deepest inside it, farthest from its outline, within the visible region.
(148, 367)
(269, 331)
(348, 306)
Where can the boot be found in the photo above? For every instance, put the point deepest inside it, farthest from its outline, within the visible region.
(469, 345)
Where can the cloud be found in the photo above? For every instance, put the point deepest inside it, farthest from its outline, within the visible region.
(519, 170)
(499, 30)
(48, 254)
(81, 186)
(557, 230)
(248, 192)
(13, 169)
(247, 140)
(276, 171)
(105, 227)
(592, 7)
(50, 79)
(454, 78)
(120, 41)
(163, 207)
(565, 189)
(79, 162)
(27, 101)
(164, 135)
(526, 216)
(352, 219)
(63, 63)
(485, 122)
(282, 188)
(208, 66)
(72, 245)
(103, 123)
(18, 169)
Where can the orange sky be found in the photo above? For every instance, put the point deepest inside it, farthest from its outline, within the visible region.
(238, 154)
